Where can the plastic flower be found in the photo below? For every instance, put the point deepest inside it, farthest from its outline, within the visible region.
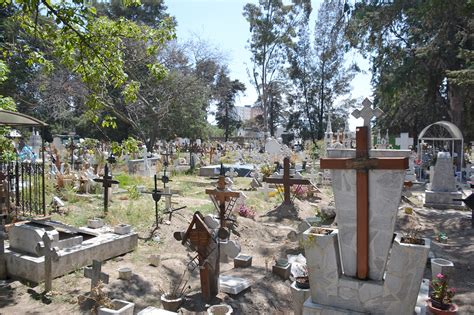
(440, 276)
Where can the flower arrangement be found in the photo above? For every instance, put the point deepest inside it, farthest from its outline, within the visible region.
(246, 212)
(442, 295)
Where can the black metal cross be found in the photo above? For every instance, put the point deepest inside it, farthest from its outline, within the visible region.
(107, 182)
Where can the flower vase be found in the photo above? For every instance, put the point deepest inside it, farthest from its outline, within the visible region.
(452, 308)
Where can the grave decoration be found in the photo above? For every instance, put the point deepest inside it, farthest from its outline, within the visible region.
(404, 141)
(210, 238)
(94, 273)
(367, 113)
(349, 270)
(441, 192)
(287, 207)
(107, 182)
(203, 240)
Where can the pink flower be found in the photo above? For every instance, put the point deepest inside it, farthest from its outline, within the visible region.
(452, 290)
(440, 276)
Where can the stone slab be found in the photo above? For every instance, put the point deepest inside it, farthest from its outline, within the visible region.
(102, 247)
(298, 297)
(151, 310)
(233, 285)
(443, 200)
(310, 308)
(385, 188)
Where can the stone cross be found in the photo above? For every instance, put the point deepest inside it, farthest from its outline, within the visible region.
(50, 254)
(107, 182)
(231, 173)
(94, 273)
(287, 181)
(367, 113)
(3, 236)
(404, 141)
(362, 164)
(265, 189)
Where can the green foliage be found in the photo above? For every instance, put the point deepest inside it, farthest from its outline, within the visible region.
(421, 53)
(272, 26)
(90, 46)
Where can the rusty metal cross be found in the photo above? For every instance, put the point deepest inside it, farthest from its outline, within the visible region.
(362, 163)
(107, 182)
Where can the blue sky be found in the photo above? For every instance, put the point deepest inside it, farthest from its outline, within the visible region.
(221, 23)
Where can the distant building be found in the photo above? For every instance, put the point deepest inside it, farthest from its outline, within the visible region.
(248, 112)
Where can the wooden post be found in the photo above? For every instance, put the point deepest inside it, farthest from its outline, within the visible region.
(94, 273)
(363, 164)
(50, 254)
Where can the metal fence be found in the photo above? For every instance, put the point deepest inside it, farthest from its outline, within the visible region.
(22, 188)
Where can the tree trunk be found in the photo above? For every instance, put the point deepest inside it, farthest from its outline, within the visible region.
(456, 95)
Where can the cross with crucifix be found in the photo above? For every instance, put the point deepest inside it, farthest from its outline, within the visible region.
(94, 273)
(50, 254)
(107, 182)
(367, 113)
(287, 181)
(363, 163)
(220, 196)
(3, 236)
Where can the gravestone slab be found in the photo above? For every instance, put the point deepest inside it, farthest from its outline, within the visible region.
(442, 189)
(385, 186)
(233, 285)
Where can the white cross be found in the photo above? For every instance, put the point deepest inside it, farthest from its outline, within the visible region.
(367, 113)
(265, 189)
(404, 141)
(231, 173)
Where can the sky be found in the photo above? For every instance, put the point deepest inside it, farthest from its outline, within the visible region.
(222, 25)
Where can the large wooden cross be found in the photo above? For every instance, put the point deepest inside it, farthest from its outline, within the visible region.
(107, 182)
(94, 273)
(287, 181)
(362, 163)
(50, 254)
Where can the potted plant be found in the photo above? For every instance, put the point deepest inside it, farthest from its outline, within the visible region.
(172, 300)
(440, 302)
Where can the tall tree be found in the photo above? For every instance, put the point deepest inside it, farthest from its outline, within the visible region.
(318, 69)
(90, 46)
(332, 76)
(272, 27)
(227, 90)
(422, 65)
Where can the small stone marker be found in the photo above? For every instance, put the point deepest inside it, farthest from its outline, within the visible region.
(94, 273)
(231, 174)
(242, 261)
(233, 285)
(107, 182)
(404, 141)
(282, 271)
(50, 255)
